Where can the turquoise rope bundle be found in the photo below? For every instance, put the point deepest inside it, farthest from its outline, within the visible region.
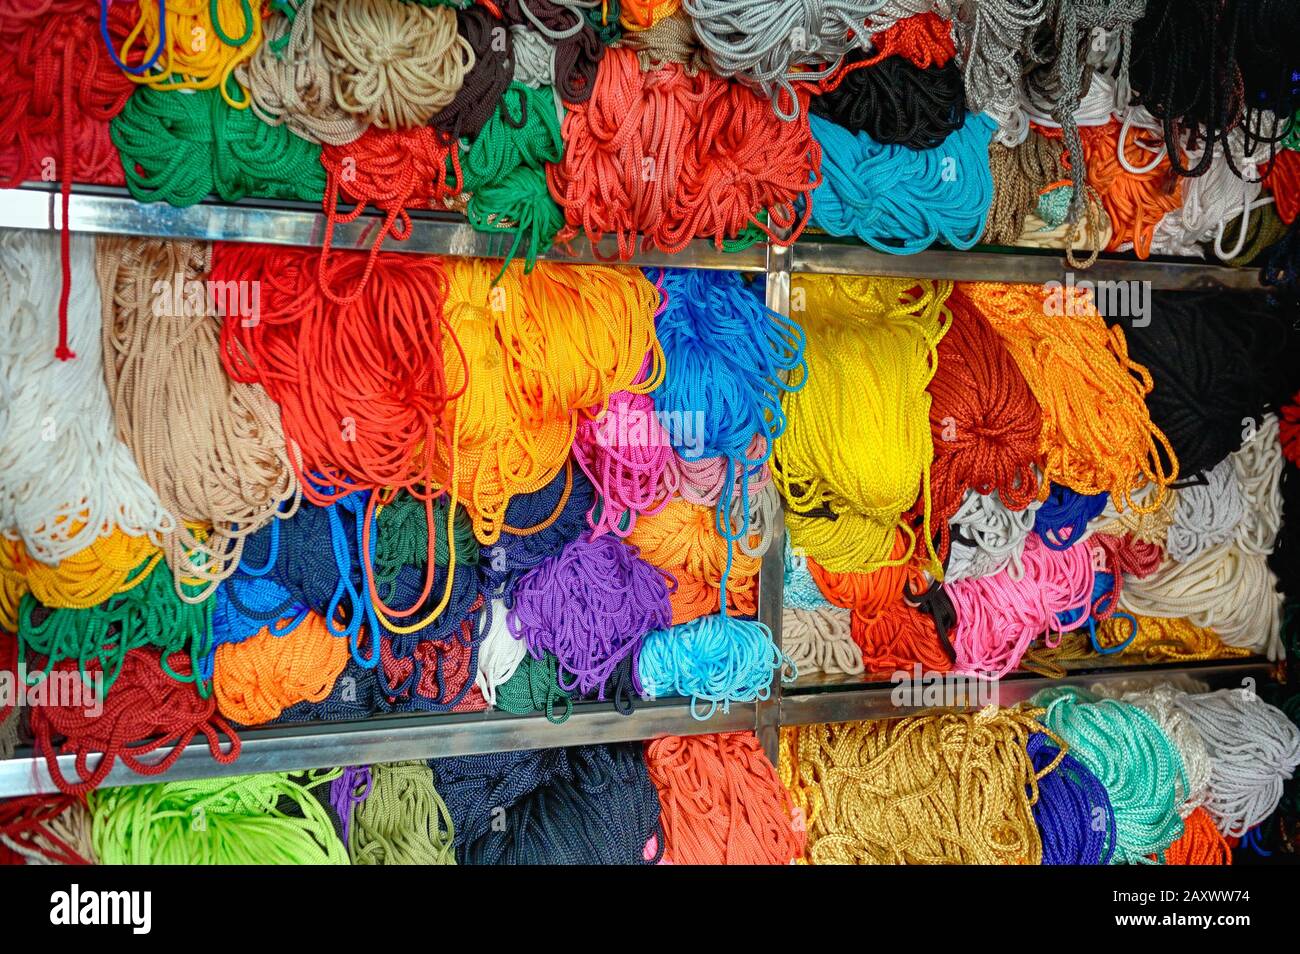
(1140, 768)
(904, 200)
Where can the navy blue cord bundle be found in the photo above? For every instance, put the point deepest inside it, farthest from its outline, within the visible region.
(355, 696)
(1073, 812)
(592, 804)
(1064, 516)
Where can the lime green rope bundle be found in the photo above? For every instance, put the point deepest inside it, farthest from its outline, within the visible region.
(180, 148)
(505, 171)
(253, 820)
(1141, 769)
(403, 821)
(535, 687)
(150, 614)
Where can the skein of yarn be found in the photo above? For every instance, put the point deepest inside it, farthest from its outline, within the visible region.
(256, 680)
(402, 820)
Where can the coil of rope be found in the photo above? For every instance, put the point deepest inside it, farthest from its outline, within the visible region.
(402, 820)
(819, 640)
(256, 680)
(46, 830)
(1071, 803)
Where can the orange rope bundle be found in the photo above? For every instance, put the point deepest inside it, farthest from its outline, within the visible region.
(395, 171)
(543, 349)
(672, 156)
(722, 802)
(984, 420)
(1134, 202)
(257, 679)
(682, 540)
(924, 40)
(1282, 179)
(361, 387)
(898, 639)
(870, 594)
(1200, 844)
(1097, 436)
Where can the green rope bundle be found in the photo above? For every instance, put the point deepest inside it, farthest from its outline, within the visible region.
(150, 614)
(403, 821)
(1141, 769)
(535, 687)
(271, 819)
(505, 171)
(180, 148)
(402, 536)
(605, 22)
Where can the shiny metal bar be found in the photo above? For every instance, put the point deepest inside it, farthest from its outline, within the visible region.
(398, 738)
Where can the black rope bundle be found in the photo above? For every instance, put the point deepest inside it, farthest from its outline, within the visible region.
(1217, 361)
(1268, 64)
(895, 101)
(592, 804)
(577, 53)
(485, 83)
(1284, 561)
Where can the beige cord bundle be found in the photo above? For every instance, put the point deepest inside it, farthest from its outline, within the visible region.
(292, 85)
(820, 640)
(1141, 523)
(1231, 592)
(72, 827)
(1020, 173)
(395, 65)
(1259, 474)
(212, 447)
(403, 821)
(939, 788)
(670, 40)
(9, 731)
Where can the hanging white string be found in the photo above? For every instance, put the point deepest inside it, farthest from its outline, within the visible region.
(1206, 514)
(1259, 465)
(499, 655)
(996, 534)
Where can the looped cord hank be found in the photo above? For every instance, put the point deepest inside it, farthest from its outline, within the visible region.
(486, 80)
(895, 102)
(819, 640)
(46, 830)
(722, 802)
(576, 48)
(60, 495)
(270, 819)
(990, 35)
(1071, 802)
(256, 680)
(1207, 514)
(987, 538)
(1201, 843)
(402, 820)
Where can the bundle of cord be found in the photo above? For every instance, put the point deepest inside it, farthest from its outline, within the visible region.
(640, 15)
(243, 606)
(1062, 520)
(987, 537)
(799, 589)
(1163, 639)
(624, 454)
(576, 50)
(499, 656)
(93, 575)
(1253, 748)
(990, 36)
(671, 40)
(256, 680)
(149, 614)
(1135, 194)
(1073, 813)
(540, 364)
(1262, 228)
(433, 675)
(67, 479)
(1115, 558)
(153, 707)
(369, 433)
(902, 200)
(895, 102)
(192, 45)
(1140, 768)
(1097, 433)
(918, 31)
(870, 355)
(486, 80)
(1161, 703)
(902, 638)
(729, 360)
(402, 820)
(939, 788)
(591, 804)
(352, 697)
(535, 687)
(11, 709)
(350, 789)
(1223, 589)
(1258, 468)
(1150, 527)
(174, 403)
(739, 173)
(683, 542)
(819, 640)
(1206, 514)
(393, 65)
(984, 422)
(46, 830)
(182, 149)
(721, 802)
(536, 526)
(1281, 176)
(999, 616)
(504, 172)
(715, 659)
(289, 82)
(248, 820)
(1039, 233)
(869, 594)
(772, 45)
(1200, 844)
(590, 605)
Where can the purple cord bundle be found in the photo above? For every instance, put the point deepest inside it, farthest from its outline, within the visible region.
(590, 606)
(348, 791)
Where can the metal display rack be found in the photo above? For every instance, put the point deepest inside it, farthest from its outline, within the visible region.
(104, 210)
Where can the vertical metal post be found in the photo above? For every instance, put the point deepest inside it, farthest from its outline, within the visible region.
(771, 573)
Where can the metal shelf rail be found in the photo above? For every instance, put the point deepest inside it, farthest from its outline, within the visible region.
(103, 210)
